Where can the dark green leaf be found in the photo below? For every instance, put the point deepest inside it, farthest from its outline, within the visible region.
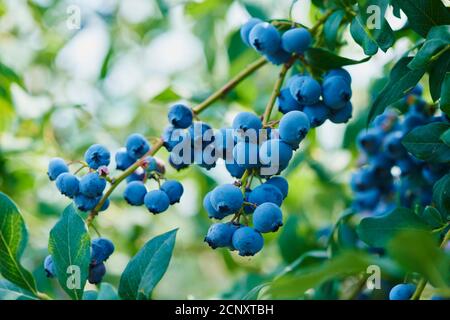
(432, 216)
(445, 137)
(255, 10)
(401, 80)
(236, 47)
(362, 38)
(437, 38)
(166, 96)
(325, 60)
(377, 231)
(70, 248)
(441, 196)
(425, 142)
(331, 28)
(395, 8)
(147, 267)
(445, 94)
(437, 72)
(13, 240)
(9, 291)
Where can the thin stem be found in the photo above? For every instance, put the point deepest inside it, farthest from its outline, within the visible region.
(43, 296)
(358, 287)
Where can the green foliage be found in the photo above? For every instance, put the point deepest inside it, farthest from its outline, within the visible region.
(325, 60)
(9, 291)
(441, 196)
(331, 28)
(437, 39)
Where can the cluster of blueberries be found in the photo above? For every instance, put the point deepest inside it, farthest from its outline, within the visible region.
(87, 191)
(101, 250)
(389, 175)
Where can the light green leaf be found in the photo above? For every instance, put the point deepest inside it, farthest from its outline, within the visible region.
(9, 291)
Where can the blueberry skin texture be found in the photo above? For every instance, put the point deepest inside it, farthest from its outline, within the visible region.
(366, 200)
(101, 250)
(305, 89)
(266, 193)
(267, 217)
(412, 120)
(137, 146)
(97, 156)
(265, 38)
(246, 28)
(173, 189)
(68, 184)
(227, 199)
(247, 120)
(392, 145)
(172, 137)
(370, 141)
(134, 193)
(180, 116)
(281, 183)
(340, 73)
(247, 241)
(402, 291)
(220, 235)
(105, 205)
(293, 127)
(336, 92)
(245, 154)
(177, 162)
(317, 113)
(201, 134)
(279, 57)
(212, 212)
(296, 40)
(275, 153)
(96, 273)
(234, 169)
(92, 185)
(49, 267)
(156, 201)
(84, 203)
(342, 115)
(123, 160)
(56, 166)
(286, 102)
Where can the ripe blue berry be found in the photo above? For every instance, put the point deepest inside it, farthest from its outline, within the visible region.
(366, 199)
(305, 89)
(317, 113)
(172, 137)
(247, 241)
(296, 40)
(245, 121)
(137, 146)
(156, 201)
(227, 199)
(220, 235)
(173, 189)
(137, 175)
(393, 146)
(92, 185)
(180, 116)
(265, 38)
(56, 166)
(336, 92)
(212, 212)
(266, 193)
(123, 160)
(370, 141)
(340, 73)
(281, 183)
(225, 140)
(96, 273)
(246, 28)
(234, 169)
(134, 193)
(417, 90)
(412, 120)
(68, 184)
(101, 250)
(341, 115)
(105, 205)
(49, 267)
(293, 127)
(267, 218)
(286, 102)
(402, 291)
(201, 134)
(150, 164)
(84, 203)
(275, 155)
(246, 154)
(97, 156)
(279, 57)
(178, 162)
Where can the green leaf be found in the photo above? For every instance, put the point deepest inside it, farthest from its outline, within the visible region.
(235, 47)
(432, 216)
(401, 80)
(437, 71)
(325, 60)
(360, 36)
(445, 94)
(425, 142)
(166, 96)
(147, 267)
(377, 231)
(9, 291)
(418, 251)
(445, 137)
(396, 8)
(437, 38)
(441, 196)
(13, 240)
(70, 246)
(107, 292)
(331, 28)
(424, 14)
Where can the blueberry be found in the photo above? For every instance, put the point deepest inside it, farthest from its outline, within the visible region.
(201, 134)
(370, 140)
(296, 40)
(436, 297)
(412, 120)
(386, 120)
(178, 162)
(234, 169)
(227, 199)
(105, 205)
(317, 113)
(150, 164)
(205, 157)
(137, 175)
(336, 92)
(172, 137)
(247, 241)
(97, 156)
(340, 73)
(156, 201)
(393, 146)
(137, 146)
(402, 291)
(212, 212)
(245, 121)
(293, 128)
(281, 183)
(362, 180)
(101, 250)
(173, 189)
(96, 273)
(305, 89)
(266, 193)
(84, 203)
(246, 28)
(366, 199)
(278, 57)
(68, 184)
(123, 160)
(286, 102)
(265, 38)
(225, 140)
(220, 235)
(56, 166)
(134, 193)
(180, 116)
(417, 90)
(275, 155)
(267, 217)
(342, 115)
(92, 185)
(246, 154)
(49, 267)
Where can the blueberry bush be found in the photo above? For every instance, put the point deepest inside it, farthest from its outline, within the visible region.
(306, 142)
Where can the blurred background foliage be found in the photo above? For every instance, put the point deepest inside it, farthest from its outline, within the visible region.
(64, 89)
